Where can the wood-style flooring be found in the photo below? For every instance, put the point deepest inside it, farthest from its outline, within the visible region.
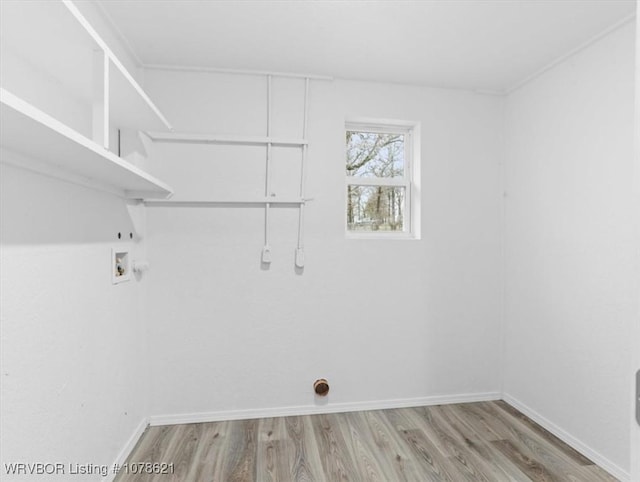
(484, 441)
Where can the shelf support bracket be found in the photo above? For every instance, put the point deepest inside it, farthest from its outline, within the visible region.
(100, 105)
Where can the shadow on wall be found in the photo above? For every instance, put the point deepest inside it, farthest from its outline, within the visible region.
(35, 209)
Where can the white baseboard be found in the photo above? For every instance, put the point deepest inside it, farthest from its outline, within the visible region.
(199, 417)
(569, 439)
(127, 449)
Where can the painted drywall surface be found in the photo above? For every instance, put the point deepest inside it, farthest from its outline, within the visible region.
(73, 381)
(381, 319)
(33, 85)
(571, 271)
(635, 424)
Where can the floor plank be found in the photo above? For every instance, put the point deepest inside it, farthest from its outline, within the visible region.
(397, 456)
(361, 441)
(484, 441)
(559, 444)
(337, 459)
(560, 462)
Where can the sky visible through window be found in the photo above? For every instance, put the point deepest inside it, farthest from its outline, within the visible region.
(370, 154)
(375, 155)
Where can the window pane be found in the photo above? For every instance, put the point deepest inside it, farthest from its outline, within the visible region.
(375, 208)
(371, 154)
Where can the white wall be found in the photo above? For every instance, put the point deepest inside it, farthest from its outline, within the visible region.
(387, 322)
(73, 350)
(571, 267)
(382, 320)
(74, 386)
(635, 426)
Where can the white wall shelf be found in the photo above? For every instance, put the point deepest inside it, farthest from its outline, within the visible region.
(62, 43)
(188, 138)
(267, 201)
(129, 105)
(30, 132)
(256, 202)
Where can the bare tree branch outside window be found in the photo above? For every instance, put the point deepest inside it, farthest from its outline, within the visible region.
(375, 155)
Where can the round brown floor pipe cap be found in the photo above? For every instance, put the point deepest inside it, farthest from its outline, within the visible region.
(321, 387)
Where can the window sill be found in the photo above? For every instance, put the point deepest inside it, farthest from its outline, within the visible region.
(381, 236)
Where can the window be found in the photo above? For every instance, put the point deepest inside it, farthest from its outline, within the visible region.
(380, 168)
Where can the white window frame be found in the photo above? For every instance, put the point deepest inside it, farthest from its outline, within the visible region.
(410, 181)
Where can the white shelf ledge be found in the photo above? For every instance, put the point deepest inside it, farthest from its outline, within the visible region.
(130, 106)
(61, 43)
(31, 133)
(182, 137)
(256, 202)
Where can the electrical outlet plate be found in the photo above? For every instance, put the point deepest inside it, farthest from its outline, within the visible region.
(120, 265)
(300, 257)
(266, 254)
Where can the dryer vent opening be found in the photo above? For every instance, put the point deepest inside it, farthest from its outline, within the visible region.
(321, 387)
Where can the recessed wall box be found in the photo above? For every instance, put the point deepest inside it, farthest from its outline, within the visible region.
(120, 265)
